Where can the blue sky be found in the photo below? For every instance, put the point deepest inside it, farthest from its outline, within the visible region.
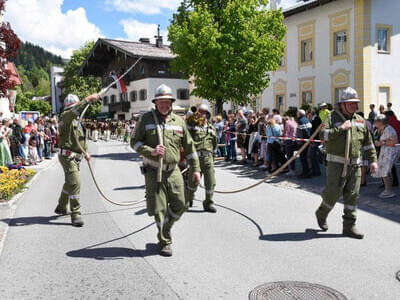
(62, 26)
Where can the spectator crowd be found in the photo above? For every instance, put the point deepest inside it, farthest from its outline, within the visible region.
(267, 140)
(27, 142)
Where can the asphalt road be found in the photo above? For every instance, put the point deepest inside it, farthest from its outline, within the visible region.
(267, 234)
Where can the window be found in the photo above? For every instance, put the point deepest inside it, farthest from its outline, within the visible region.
(279, 102)
(338, 93)
(306, 51)
(143, 95)
(133, 96)
(384, 96)
(383, 44)
(123, 97)
(105, 100)
(162, 69)
(113, 98)
(183, 94)
(340, 40)
(306, 98)
(142, 70)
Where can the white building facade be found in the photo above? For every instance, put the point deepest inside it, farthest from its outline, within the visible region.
(335, 44)
(140, 94)
(56, 78)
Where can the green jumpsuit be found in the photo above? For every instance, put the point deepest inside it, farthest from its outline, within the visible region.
(349, 188)
(70, 157)
(167, 201)
(205, 139)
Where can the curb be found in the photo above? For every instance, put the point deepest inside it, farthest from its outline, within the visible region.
(8, 208)
(16, 197)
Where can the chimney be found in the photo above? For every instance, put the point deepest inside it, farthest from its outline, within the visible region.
(159, 38)
(144, 40)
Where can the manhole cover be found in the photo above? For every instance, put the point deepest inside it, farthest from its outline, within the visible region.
(398, 275)
(286, 290)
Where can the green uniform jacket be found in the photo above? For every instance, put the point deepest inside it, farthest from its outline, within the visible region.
(67, 128)
(175, 135)
(204, 137)
(361, 138)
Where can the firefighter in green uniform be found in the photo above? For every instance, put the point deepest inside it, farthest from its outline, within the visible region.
(205, 138)
(344, 128)
(165, 200)
(71, 155)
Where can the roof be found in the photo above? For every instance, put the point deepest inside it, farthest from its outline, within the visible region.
(304, 6)
(14, 76)
(141, 49)
(105, 50)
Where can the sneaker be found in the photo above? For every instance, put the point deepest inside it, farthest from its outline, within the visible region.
(386, 195)
(292, 173)
(263, 167)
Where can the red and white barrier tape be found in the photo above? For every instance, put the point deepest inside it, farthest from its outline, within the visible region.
(285, 138)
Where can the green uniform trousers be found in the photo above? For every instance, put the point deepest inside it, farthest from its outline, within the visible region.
(350, 190)
(166, 205)
(72, 186)
(207, 169)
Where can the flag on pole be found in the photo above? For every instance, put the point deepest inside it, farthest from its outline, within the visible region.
(121, 86)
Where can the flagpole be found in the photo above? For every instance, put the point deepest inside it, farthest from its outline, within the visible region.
(104, 90)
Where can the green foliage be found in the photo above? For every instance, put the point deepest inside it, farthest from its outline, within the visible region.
(23, 100)
(31, 56)
(306, 107)
(291, 112)
(40, 105)
(228, 46)
(78, 85)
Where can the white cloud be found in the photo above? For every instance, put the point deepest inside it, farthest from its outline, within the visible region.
(42, 22)
(148, 7)
(136, 30)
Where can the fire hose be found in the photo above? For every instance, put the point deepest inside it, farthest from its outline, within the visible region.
(275, 173)
(76, 133)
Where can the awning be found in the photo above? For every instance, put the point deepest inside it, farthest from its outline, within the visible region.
(105, 115)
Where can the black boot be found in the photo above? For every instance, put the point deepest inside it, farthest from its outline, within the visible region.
(77, 221)
(165, 250)
(321, 222)
(60, 210)
(352, 232)
(209, 208)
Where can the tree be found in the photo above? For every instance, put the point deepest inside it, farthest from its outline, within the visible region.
(78, 85)
(8, 49)
(40, 105)
(23, 100)
(227, 46)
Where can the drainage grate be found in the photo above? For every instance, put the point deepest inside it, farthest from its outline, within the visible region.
(398, 275)
(286, 290)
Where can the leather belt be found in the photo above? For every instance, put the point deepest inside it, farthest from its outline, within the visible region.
(341, 159)
(154, 165)
(68, 153)
(204, 153)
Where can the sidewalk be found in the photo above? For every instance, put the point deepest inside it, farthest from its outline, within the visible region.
(368, 200)
(7, 209)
